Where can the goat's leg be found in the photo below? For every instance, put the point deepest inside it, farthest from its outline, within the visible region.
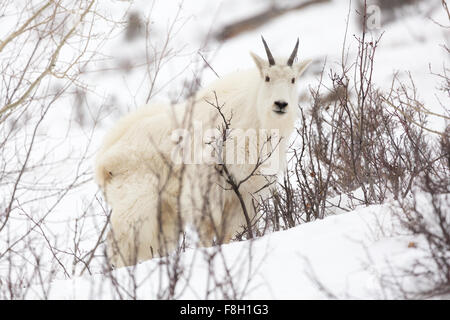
(141, 222)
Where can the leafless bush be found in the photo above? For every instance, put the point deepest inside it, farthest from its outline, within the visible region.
(385, 148)
(390, 11)
(356, 144)
(426, 216)
(426, 213)
(134, 27)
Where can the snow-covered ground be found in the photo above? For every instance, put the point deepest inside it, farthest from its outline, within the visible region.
(345, 256)
(348, 253)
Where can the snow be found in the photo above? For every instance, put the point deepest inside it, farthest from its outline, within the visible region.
(284, 265)
(346, 252)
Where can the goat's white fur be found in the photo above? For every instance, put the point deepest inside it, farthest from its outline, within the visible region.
(132, 164)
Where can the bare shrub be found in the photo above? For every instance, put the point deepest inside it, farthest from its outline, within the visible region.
(387, 151)
(355, 145)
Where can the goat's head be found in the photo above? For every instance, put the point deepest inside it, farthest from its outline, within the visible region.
(278, 96)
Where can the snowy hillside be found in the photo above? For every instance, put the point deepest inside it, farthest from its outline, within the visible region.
(347, 254)
(53, 220)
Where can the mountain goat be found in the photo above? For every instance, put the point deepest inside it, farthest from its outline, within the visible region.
(154, 195)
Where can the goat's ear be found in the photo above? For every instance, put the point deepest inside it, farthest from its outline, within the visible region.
(260, 62)
(301, 67)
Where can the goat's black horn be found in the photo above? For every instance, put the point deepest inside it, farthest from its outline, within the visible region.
(293, 55)
(269, 54)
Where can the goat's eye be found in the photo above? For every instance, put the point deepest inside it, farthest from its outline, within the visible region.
(267, 79)
(293, 80)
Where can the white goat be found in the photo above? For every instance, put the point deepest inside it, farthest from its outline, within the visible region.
(154, 197)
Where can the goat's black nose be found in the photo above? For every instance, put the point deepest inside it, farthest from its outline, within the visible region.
(281, 104)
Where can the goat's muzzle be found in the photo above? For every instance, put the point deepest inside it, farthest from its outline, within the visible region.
(280, 107)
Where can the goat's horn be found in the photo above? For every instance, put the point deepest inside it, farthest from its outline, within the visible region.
(269, 54)
(293, 55)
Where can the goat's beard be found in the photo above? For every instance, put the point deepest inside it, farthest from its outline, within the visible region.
(273, 120)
